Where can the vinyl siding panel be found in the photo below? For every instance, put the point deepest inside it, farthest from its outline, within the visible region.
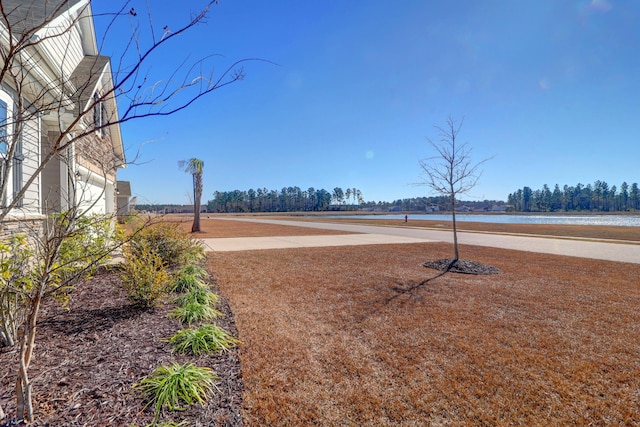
(31, 153)
(64, 46)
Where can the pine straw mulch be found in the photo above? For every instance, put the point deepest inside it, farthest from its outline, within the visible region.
(88, 358)
(343, 336)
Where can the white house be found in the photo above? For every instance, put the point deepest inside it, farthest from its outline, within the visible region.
(56, 92)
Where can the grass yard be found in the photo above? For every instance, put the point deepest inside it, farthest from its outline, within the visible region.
(331, 339)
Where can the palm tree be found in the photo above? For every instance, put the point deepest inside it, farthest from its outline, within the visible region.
(194, 167)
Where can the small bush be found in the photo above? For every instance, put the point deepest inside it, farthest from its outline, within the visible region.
(173, 386)
(204, 339)
(194, 312)
(199, 295)
(144, 277)
(175, 247)
(15, 283)
(187, 283)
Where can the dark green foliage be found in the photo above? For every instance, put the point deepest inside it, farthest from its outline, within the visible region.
(596, 197)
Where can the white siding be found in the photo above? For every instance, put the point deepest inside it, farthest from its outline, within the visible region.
(31, 153)
(64, 45)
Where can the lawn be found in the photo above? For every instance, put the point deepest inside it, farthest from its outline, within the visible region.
(330, 338)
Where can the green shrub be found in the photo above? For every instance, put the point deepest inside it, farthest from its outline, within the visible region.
(204, 339)
(194, 312)
(187, 283)
(176, 247)
(174, 386)
(144, 276)
(49, 264)
(199, 295)
(15, 282)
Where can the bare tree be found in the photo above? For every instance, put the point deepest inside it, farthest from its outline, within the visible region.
(61, 103)
(66, 99)
(451, 171)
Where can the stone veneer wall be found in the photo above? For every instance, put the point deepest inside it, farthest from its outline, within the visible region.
(30, 225)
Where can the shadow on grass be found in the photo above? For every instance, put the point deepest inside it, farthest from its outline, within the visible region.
(446, 265)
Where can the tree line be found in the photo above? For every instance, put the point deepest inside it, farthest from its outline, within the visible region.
(596, 197)
(294, 199)
(288, 199)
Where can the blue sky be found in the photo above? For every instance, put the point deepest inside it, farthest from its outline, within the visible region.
(549, 88)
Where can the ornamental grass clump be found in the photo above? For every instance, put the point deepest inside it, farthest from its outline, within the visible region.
(199, 295)
(186, 283)
(174, 386)
(194, 270)
(204, 339)
(194, 312)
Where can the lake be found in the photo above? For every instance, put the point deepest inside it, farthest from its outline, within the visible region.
(617, 220)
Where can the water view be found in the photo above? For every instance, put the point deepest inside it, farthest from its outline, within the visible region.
(617, 220)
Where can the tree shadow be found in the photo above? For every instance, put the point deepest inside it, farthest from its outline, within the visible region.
(94, 320)
(446, 265)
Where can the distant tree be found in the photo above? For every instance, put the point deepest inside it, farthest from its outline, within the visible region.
(451, 171)
(338, 195)
(252, 197)
(311, 194)
(556, 199)
(634, 196)
(545, 198)
(194, 167)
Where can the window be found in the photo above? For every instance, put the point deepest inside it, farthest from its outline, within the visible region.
(18, 157)
(97, 111)
(16, 174)
(100, 119)
(6, 106)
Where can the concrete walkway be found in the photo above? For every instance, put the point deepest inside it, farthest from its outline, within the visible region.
(370, 234)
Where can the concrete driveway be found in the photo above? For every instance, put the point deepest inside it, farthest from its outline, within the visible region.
(370, 234)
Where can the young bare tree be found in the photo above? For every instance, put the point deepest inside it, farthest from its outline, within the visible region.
(65, 98)
(195, 167)
(451, 171)
(61, 103)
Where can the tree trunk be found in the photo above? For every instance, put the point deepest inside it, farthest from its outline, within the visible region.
(455, 230)
(23, 384)
(197, 195)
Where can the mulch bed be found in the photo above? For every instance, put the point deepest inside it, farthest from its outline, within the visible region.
(88, 358)
(463, 266)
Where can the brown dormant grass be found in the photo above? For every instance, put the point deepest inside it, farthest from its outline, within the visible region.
(330, 340)
(555, 230)
(216, 228)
